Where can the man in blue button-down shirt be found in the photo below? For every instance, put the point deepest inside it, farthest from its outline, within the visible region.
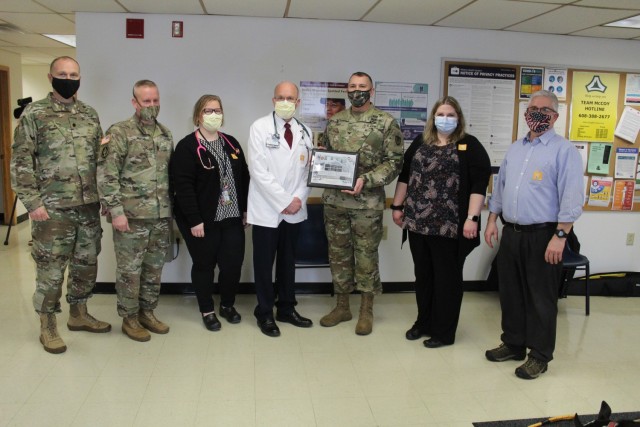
(539, 193)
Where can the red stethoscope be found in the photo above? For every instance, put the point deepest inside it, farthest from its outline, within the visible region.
(203, 148)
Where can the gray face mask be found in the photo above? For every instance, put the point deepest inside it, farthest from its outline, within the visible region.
(149, 114)
(359, 97)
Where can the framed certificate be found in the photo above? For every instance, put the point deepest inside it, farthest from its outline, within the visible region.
(333, 169)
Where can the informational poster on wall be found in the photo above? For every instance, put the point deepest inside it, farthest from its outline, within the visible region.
(594, 106)
(486, 95)
(626, 161)
(600, 191)
(555, 80)
(407, 102)
(632, 90)
(320, 101)
(622, 195)
(530, 81)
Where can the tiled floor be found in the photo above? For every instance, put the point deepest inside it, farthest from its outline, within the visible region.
(307, 377)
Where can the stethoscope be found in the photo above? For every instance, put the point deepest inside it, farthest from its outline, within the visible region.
(276, 136)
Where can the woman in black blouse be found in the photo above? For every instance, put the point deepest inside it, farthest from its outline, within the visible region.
(210, 180)
(438, 199)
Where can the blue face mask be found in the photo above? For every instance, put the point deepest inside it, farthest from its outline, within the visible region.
(446, 125)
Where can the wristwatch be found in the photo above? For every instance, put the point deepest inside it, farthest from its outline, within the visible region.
(561, 234)
(397, 207)
(473, 218)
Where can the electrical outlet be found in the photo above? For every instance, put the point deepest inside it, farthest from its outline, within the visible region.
(630, 238)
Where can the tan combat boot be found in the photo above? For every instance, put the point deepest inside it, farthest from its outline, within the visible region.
(134, 330)
(365, 321)
(49, 337)
(149, 321)
(340, 313)
(80, 320)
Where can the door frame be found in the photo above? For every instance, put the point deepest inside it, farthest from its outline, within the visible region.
(5, 142)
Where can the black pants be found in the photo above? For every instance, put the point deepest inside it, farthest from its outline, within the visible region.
(277, 244)
(438, 271)
(528, 292)
(222, 245)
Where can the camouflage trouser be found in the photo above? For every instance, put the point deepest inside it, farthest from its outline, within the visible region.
(71, 236)
(140, 255)
(354, 236)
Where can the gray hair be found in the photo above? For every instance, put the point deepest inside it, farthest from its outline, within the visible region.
(546, 94)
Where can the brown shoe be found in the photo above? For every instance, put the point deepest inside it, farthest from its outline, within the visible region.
(149, 321)
(134, 330)
(81, 320)
(365, 321)
(341, 312)
(49, 337)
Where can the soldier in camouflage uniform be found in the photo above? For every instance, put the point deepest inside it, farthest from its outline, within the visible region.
(53, 171)
(353, 218)
(133, 182)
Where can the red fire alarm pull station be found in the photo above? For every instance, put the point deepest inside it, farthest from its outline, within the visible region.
(135, 28)
(176, 29)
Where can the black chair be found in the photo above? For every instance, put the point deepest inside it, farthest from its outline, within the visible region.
(572, 261)
(312, 249)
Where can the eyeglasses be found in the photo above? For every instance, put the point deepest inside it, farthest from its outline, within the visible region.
(288, 98)
(543, 110)
(208, 111)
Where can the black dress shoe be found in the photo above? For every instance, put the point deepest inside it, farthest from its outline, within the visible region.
(230, 314)
(211, 322)
(434, 343)
(415, 333)
(269, 327)
(295, 319)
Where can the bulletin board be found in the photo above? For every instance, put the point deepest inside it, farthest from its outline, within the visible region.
(599, 112)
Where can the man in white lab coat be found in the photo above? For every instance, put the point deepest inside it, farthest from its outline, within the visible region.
(278, 154)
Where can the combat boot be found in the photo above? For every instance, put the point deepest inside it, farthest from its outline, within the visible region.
(365, 321)
(149, 321)
(340, 313)
(49, 337)
(134, 330)
(80, 320)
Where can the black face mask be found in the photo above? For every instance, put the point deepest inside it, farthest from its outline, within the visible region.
(65, 87)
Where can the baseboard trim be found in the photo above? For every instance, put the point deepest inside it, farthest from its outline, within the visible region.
(302, 288)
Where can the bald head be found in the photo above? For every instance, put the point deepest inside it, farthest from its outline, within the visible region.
(286, 87)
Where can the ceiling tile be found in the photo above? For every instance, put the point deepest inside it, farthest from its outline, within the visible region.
(21, 6)
(184, 7)
(569, 19)
(351, 10)
(261, 8)
(30, 40)
(614, 4)
(609, 32)
(416, 12)
(70, 6)
(49, 23)
(495, 14)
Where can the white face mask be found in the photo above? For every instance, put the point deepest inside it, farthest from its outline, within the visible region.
(211, 122)
(285, 109)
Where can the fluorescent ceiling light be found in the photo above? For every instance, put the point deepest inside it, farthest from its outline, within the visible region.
(66, 39)
(633, 22)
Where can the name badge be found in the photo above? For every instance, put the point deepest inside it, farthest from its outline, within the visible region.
(462, 147)
(537, 176)
(273, 142)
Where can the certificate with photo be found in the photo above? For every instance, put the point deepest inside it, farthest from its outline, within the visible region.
(333, 169)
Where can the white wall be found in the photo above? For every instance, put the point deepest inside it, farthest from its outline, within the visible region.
(241, 59)
(12, 61)
(35, 82)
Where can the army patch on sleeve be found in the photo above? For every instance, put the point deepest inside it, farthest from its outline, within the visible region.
(104, 146)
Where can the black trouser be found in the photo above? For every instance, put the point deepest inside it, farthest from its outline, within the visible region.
(438, 271)
(528, 292)
(222, 245)
(277, 244)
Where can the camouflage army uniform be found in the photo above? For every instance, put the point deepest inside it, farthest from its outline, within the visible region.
(133, 180)
(53, 164)
(354, 223)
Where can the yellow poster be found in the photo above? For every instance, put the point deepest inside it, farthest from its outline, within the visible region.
(594, 106)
